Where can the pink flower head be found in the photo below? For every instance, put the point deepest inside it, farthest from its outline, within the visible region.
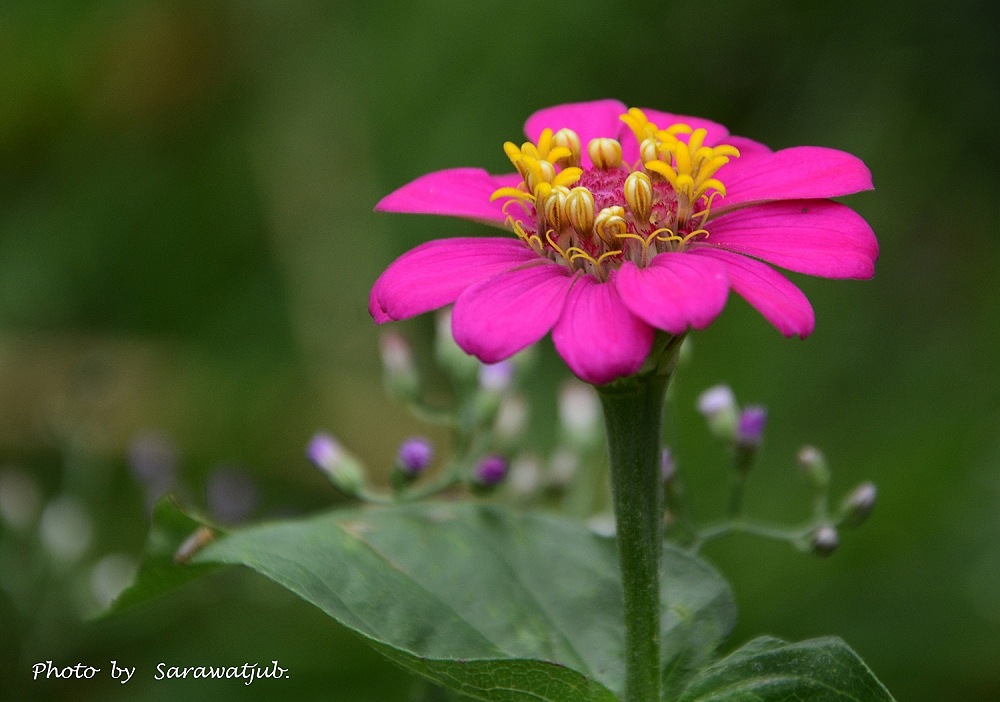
(627, 221)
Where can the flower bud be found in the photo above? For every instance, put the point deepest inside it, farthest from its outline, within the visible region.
(605, 153)
(401, 377)
(511, 418)
(639, 196)
(414, 455)
(20, 498)
(569, 139)
(490, 471)
(460, 365)
(340, 468)
(563, 466)
(525, 476)
(610, 224)
(813, 464)
(825, 540)
(412, 459)
(718, 406)
(858, 505)
(750, 427)
(580, 415)
(66, 528)
(496, 377)
(580, 211)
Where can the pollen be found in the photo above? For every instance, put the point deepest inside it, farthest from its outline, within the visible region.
(593, 217)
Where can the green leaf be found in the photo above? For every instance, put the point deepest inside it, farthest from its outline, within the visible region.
(489, 603)
(771, 670)
(159, 571)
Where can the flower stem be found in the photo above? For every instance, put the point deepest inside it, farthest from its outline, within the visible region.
(633, 415)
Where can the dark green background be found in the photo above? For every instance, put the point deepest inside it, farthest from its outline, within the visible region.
(187, 242)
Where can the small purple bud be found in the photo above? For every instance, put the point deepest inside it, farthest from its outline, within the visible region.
(825, 540)
(496, 377)
(750, 427)
(397, 359)
(491, 470)
(324, 452)
(718, 406)
(667, 466)
(338, 465)
(152, 456)
(717, 399)
(414, 455)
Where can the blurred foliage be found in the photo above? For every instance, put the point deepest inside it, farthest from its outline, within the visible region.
(187, 244)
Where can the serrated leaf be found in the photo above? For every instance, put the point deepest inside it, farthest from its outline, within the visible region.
(492, 604)
(771, 670)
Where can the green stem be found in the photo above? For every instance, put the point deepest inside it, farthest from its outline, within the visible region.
(633, 415)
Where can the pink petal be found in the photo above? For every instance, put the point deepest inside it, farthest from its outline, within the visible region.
(748, 147)
(675, 291)
(456, 192)
(433, 274)
(818, 237)
(597, 336)
(769, 292)
(588, 119)
(497, 317)
(798, 173)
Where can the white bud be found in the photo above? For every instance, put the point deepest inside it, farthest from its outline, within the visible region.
(66, 528)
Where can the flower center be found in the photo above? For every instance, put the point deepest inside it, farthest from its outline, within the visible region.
(594, 219)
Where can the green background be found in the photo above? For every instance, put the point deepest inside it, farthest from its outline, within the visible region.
(187, 243)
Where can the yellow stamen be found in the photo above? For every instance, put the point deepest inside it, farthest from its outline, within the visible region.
(580, 211)
(639, 195)
(512, 192)
(639, 124)
(567, 139)
(567, 176)
(605, 153)
(610, 223)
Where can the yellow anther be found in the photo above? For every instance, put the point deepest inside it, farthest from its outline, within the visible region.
(696, 139)
(610, 223)
(726, 150)
(682, 158)
(674, 129)
(513, 152)
(555, 208)
(548, 149)
(580, 211)
(544, 142)
(639, 195)
(708, 166)
(649, 149)
(663, 169)
(567, 176)
(567, 139)
(512, 192)
(605, 153)
(710, 184)
(537, 172)
(639, 124)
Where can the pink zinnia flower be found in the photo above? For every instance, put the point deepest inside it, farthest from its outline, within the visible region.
(626, 221)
